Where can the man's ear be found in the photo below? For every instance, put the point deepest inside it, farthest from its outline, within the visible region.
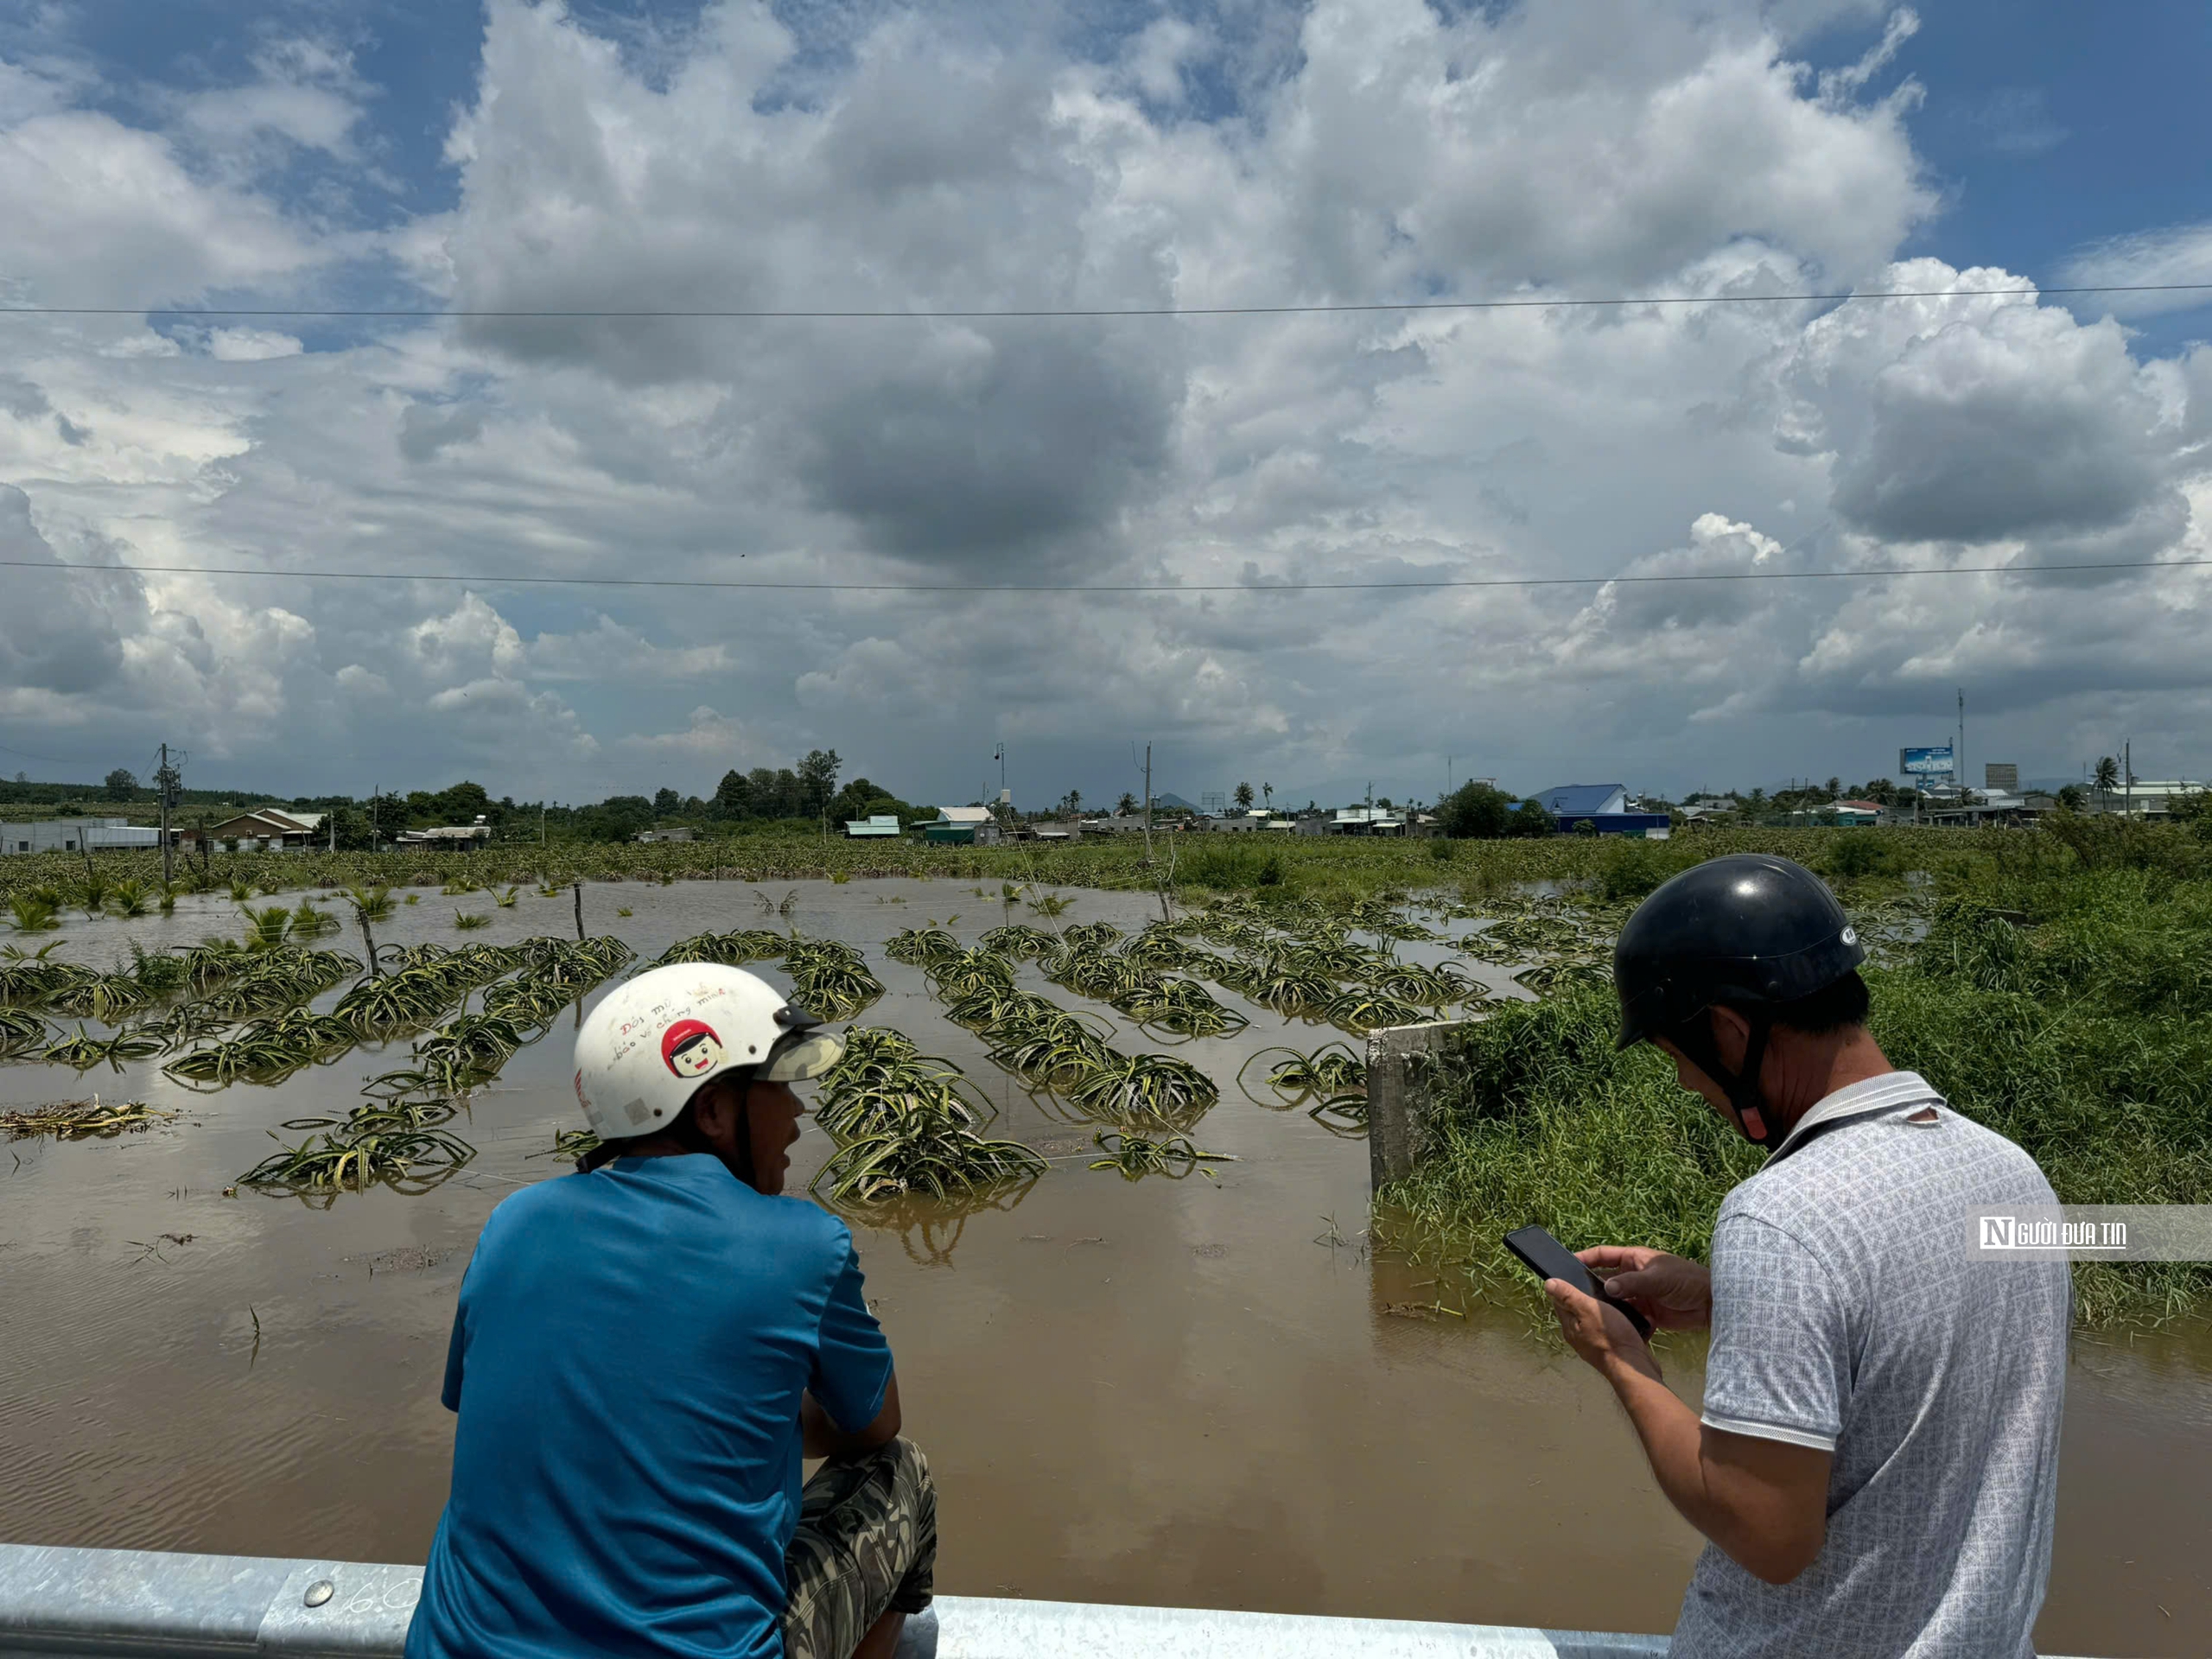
(711, 1110)
(1731, 1035)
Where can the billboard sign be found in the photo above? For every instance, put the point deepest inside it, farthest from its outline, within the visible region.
(1925, 763)
(2003, 775)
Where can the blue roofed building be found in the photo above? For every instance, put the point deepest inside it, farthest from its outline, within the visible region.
(1584, 800)
(1605, 808)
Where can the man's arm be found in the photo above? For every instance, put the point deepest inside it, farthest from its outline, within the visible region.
(1764, 1503)
(820, 1436)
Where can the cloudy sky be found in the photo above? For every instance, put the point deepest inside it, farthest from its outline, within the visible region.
(848, 155)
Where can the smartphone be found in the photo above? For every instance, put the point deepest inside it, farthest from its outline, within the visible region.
(1547, 1258)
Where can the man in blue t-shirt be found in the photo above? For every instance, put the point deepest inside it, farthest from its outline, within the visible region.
(643, 1352)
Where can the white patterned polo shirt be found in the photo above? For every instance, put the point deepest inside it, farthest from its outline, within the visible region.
(1850, 1313)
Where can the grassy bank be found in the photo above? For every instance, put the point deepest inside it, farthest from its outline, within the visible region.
(1326, 870)
(2066, 1004)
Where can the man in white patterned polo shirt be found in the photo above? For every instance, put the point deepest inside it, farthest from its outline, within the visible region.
(1875, 1463)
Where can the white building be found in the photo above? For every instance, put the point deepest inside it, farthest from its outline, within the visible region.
(1365, 821)
(2146, 798)
(74, 836)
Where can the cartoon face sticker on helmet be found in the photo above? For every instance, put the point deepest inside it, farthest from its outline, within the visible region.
(690, 1048)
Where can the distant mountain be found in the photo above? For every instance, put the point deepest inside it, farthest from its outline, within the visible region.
(1174, 800)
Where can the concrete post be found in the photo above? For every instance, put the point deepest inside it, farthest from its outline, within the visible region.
(1397, 1116)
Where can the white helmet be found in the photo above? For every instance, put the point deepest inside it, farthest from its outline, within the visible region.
(654, 1041)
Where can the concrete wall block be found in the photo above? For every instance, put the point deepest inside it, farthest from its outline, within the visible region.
(1397, 1121)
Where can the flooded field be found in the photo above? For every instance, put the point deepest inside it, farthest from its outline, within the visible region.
(1198, 1391)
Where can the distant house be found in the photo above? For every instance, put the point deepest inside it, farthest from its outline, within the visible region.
(1605, 808)
(1857, 811)
(272, 827)
(962, 826)
(449, 838)
(1365, 820)
(880, 825)
(681, 832)
(1966, 808)
(1584, 801)
(2146, 798)
(74, 836)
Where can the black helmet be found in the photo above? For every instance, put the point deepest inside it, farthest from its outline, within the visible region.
(1751, 930)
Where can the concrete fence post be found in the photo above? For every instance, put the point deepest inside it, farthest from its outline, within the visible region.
(1397, 1125)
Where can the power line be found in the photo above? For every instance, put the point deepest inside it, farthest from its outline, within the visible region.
(977, 314)
(25, 754)
(488, 580)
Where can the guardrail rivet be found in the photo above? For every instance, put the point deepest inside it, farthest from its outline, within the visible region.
(320, 1592)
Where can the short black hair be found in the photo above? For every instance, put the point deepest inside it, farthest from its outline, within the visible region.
(1837, 1006)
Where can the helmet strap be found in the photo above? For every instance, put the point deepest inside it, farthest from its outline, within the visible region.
(686, 1133)
(1742, 1085)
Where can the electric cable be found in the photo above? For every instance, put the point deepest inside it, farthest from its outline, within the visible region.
(1521, 302)
(488, 580)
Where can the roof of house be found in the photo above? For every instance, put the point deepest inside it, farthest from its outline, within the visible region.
(1857, 806)
(283, 820)
(964, 815)
(1580, 800)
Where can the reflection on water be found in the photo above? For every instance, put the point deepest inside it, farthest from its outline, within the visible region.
(1187, 1392)
(928, 1229)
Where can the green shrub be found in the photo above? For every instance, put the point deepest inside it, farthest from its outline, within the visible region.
(1863, 854)
(1628, 869)
(1231, 869)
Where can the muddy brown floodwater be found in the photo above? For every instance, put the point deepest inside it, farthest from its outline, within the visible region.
(1196, 1392)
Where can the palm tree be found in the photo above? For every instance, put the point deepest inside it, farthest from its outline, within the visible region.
(1126, 805)
(2107, 778)
(1267, 796)
(1244, 798)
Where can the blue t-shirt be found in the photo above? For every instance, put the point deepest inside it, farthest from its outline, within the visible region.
(627, 1362)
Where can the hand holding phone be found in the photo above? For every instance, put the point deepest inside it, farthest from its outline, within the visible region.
(1547, 1258)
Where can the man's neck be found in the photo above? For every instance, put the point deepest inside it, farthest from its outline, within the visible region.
(1802, 1071)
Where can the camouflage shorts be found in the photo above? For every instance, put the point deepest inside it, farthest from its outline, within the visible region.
(866, 1545)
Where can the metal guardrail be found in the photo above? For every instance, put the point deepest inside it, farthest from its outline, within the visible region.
(155, 1604)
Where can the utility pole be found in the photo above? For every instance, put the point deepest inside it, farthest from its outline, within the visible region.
(1148, 803)
(1959, 754)
(165, 787)
(2127, 776)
